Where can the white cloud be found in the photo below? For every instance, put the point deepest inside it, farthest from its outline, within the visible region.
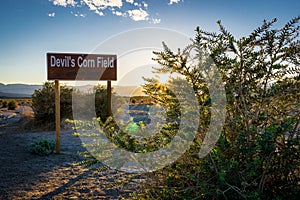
(92, 7)
(78, 14)
(99, 5)
(174, 1)
(51, 14)
(130, 1)
(156, 21)
(71, 2)
(119, 13)
(64, 3)
(137, 11)
(103, 4)
(138, 15)
(100, 13)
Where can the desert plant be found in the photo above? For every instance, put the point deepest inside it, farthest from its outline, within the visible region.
(257, 155)
(4, 104)
(12, 105)
(92, 102)
(101, 102)
(42, 147)
(43, 104)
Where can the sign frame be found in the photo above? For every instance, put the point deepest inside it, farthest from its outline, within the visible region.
(80, 66)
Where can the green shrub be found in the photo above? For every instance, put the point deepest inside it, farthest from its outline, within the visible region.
(42, 147)
(257, 154)
(101, 102)
(12, 105)
(4, 104)
(43, 104)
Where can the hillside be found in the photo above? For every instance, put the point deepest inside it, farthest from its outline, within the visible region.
(24, 90)
(17, 90)
(14, 95)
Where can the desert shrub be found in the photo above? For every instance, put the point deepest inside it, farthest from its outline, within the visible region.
(124, 133)
(12, 104)
(4, 104)
(43, 104)
(42, 147)
(101, 102)
(93, 102)
(257, 154)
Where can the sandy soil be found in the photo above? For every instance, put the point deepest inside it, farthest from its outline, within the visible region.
(27, 176)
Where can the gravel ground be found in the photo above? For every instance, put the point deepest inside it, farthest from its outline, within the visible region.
(27, 176)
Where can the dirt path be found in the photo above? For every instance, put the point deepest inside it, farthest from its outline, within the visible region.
(27, 176)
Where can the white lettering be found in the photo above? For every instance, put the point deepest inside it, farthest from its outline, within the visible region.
(99, 61)
(52, 61)
(82, 61)
(90, 63)
(72, 62)
(111, 62)
(67, 61)
(79, 61)
(58, 62)
(105, 63)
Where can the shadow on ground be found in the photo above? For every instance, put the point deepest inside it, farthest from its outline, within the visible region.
(27, 176)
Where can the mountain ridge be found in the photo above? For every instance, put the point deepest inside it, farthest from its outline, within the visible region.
(19, 90)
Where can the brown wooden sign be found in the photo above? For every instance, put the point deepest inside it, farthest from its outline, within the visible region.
(67, 66)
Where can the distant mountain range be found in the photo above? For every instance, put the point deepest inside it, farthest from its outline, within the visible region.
(25, 90)
(17, 90)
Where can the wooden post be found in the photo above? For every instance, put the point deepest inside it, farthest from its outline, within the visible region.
(109, 98)
(57, 115)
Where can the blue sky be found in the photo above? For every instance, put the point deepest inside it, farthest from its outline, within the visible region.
(30, 28)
